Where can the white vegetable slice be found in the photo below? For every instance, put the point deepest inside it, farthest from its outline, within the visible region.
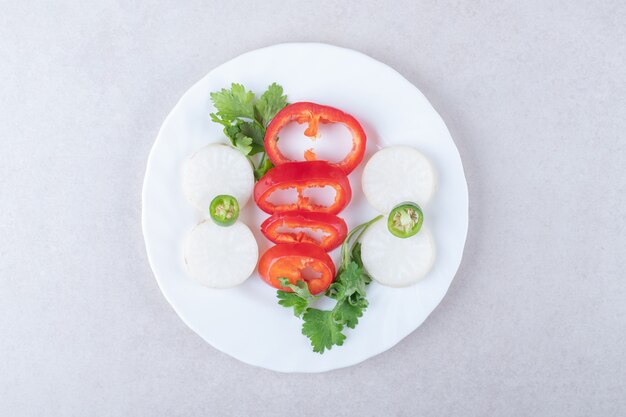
(397, 174)
(220, 257)
(393, 261)
(217, 169)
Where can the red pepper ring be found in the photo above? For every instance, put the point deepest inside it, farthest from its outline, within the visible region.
(303, 175)
(313, 114)
(333, 229)
(297, 262)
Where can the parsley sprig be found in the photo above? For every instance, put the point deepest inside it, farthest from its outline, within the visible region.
(324, 328)
(245, 119)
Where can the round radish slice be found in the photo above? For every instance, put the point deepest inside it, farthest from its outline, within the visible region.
(393, 261)
(395, 175)
(215, 170)
(220, 257)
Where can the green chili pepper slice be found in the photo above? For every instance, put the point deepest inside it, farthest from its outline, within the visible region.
(405, 220)
(224, 210)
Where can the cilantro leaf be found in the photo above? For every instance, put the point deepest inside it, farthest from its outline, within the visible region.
(244, 119)
(322, 329)
(231, 133)
(301, 289)
(243, 144)
(215, 118)
(351, 278)
(351, 303)
(290, 299)
(348, 313)
(245, 136)
(270, 103)
(234, 103)
(298, 299)
(356, 257)
(336, 290)
(263, 167)
(356, 254)
(254, 131)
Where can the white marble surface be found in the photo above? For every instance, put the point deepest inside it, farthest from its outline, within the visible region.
(534, 95)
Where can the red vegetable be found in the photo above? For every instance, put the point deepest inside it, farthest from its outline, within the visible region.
(313, 114)
(297, 262)
(303, 175)
(333, 228)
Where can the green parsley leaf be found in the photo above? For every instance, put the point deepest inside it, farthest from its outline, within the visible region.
(336, 291)
(356, 257)
(270, 103)
(234, 103)
(243, 144)
(348, 313)
(301, 289)
(254, 131)
(244, 119)
(263, 167)
(298, 299)
(351, 278)
(322, 329)
(290, 299)
(231, 132)
(215, 118)
(246, 136)
(356, 254)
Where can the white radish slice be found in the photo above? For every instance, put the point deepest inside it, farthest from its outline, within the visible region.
(397, 174)
(217, 169)
(220, 257)
(393, 261)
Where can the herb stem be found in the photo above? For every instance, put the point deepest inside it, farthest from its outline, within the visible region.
(364, 228)
(346, 247)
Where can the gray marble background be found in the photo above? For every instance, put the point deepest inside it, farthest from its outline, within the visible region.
(534, 93)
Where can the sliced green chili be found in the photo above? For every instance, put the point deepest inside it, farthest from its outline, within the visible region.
(224, 210)
(405, 220)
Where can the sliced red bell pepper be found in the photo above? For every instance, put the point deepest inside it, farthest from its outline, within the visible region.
(313, 114)
(297, 262)
(300, 176)
(291, 226)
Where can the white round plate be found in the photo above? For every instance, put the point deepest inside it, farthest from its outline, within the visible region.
(246, 322)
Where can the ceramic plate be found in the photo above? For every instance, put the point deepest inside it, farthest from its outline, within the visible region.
(246, 322)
